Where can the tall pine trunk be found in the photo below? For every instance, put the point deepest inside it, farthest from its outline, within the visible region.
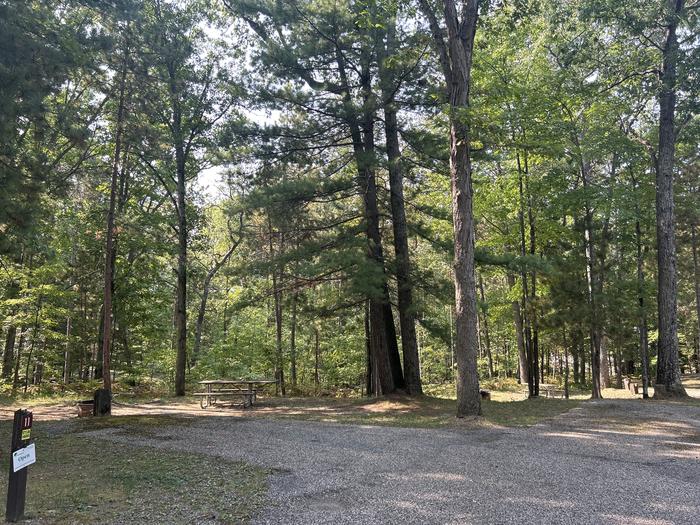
(533, 378)
(592, 278)
(383, 361)
(668, 375)
(181, 290)
(456, 62)
(409, 345)
(108, 284)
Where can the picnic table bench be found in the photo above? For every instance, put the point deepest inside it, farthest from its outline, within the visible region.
(552, 391)
(219, 389)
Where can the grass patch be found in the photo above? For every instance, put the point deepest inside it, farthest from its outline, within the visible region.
(419, 412)
(526, 412)
(141, 425)
(84, 480)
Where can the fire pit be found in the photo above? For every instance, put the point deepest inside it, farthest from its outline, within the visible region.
(85, 407)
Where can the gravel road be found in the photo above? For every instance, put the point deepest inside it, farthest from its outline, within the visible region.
(604, 462)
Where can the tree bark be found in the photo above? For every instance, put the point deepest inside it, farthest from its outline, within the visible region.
(696, 275)
(642, 313)
(317, 357)
(456, 61)
(518, 322)
(582, 357)
(566, 366)
(109, 245)
(181, 292)
(485, 317)
(409, 346)
(279, 357)
(592, 278)
(293, 341)
(385, 365)
(668, 375)
(532, 313)
(604, 363)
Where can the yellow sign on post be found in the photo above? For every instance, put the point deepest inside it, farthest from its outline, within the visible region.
(26, 433)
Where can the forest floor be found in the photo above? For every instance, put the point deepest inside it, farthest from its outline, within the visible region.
(613, 461)
(543, 461)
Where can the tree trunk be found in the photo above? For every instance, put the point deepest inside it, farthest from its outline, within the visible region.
(485, 317)
(293, 341)
(409, 346)
(642, 315)
(35, 329)
(604, 242)
(66, 354)
(20, 347)
(456, 62)
(8, 355)
(199, 324)
(532, 365)
(518, 322)
(109, 245)
(592, 279)
(369, 375)
(566, 366)
(696, 275)
(604, 363)
(534, 345)
(668, 375)
(317, 357)
(582, 356)
(96, 357)
(181, 293)
(384, 360)
(203, 302)
(279, 358)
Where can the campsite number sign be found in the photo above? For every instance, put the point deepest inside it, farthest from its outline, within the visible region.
(23, 455)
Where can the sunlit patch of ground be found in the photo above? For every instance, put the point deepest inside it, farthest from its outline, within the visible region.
(508, 406)
(78, 479)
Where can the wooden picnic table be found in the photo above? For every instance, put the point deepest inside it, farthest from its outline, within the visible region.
(246, 389)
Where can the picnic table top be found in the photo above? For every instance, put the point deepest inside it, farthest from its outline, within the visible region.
(237, 382)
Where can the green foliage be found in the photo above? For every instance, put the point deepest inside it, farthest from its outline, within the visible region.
(252, 90)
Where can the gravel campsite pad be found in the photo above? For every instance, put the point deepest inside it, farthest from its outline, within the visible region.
(611, 461)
